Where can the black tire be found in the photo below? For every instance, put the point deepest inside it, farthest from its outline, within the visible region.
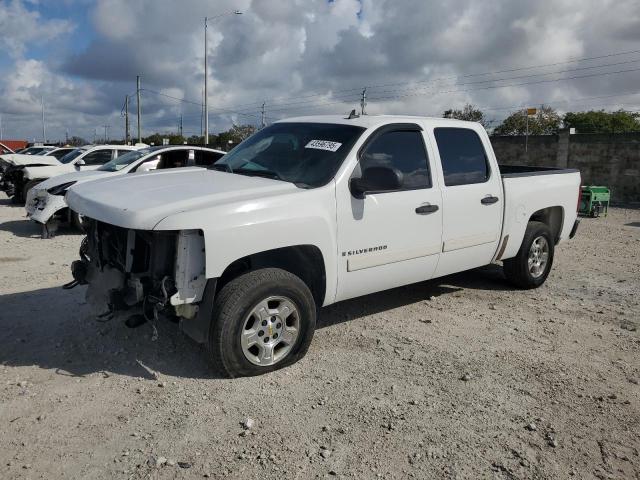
(77, 221)
(233, 305)
(516, 269)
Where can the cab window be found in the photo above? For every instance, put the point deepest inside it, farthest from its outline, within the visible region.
(463, 158)
(401, 150)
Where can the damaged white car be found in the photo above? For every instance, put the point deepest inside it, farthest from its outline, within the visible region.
(46, 203)
(27, 171)
(308, 212)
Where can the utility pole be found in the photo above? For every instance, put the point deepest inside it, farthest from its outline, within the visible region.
(139, 109)
(95, 135)
(526, 135)
(106, 133)
(202, 117)
(44, 128)
(206, 91)
(263, 121)
(126, 120)
(66, 136)
(363, 102)
(1, 132)
(180, 124)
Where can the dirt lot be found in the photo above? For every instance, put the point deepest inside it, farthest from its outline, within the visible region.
(461, 377)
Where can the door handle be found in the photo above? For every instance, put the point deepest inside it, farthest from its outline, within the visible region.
(489, 200)
(426, 209)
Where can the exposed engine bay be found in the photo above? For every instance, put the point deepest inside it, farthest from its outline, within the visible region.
(139, 271)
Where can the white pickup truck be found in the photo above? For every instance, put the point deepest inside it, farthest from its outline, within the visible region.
(307, 212)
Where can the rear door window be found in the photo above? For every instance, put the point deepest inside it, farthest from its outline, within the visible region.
(464, 160)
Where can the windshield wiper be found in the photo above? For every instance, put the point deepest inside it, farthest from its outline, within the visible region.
(260, 173)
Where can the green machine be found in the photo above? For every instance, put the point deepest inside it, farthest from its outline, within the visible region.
(594, 200)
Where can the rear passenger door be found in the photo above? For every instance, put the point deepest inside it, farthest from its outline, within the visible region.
(390, 238)
(472, 199)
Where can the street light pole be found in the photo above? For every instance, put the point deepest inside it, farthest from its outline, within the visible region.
(206, 72)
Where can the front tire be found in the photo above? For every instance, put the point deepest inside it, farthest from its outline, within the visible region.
(262, 320)
(532, 264)
(77, 221)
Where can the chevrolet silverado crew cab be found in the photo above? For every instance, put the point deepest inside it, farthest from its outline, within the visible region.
(307, 212)
(46, 204)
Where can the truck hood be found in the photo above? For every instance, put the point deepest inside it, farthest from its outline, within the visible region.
(77, 177)
(142, 200)
(19, 159)
(37, 173)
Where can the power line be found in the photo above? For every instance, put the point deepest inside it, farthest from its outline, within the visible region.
(275, 100)
(184, 100)
(511, 84)
(280, 107)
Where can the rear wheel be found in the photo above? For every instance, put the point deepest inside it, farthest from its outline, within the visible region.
(262, 320)
(532, 264)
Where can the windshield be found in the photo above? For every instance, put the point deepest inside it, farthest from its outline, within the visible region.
(124, 160)
(306, 154)
(32, 150)
(44, 152)
(72, 155)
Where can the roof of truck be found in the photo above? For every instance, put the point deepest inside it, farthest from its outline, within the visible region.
(368, 121)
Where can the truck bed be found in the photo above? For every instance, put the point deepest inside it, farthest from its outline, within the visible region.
(513, 171)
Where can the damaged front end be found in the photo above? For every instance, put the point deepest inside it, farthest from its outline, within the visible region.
(12, 179)
(141, 272)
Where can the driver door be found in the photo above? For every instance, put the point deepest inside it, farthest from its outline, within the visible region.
(390, 238)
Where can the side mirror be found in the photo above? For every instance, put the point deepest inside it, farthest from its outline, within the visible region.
(79, 162)
(376, 180)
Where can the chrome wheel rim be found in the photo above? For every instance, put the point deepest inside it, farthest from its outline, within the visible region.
(538, 257)
(270, 331)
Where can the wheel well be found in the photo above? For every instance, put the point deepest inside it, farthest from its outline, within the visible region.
(552, 217)
(304, 261)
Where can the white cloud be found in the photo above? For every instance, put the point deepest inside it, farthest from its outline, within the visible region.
(21, 27)
(314, 56)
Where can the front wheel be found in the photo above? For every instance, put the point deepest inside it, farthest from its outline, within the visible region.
(262, 320)
(79, 222)
(532, 264)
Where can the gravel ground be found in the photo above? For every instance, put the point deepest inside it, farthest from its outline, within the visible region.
(461, 377)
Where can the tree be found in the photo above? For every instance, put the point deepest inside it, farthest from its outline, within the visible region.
(77, 141)
(156, 139)
(469, 113)
(603, 122)
(195, 140)
(545, 122)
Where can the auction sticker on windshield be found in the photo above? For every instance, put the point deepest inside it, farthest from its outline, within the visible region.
(323, 145)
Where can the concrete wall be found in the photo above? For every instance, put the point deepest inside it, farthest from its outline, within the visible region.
(610, 160)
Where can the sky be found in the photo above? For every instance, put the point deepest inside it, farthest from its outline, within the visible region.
(305, 57)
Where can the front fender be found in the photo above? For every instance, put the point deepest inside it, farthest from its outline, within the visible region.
(238, 230)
